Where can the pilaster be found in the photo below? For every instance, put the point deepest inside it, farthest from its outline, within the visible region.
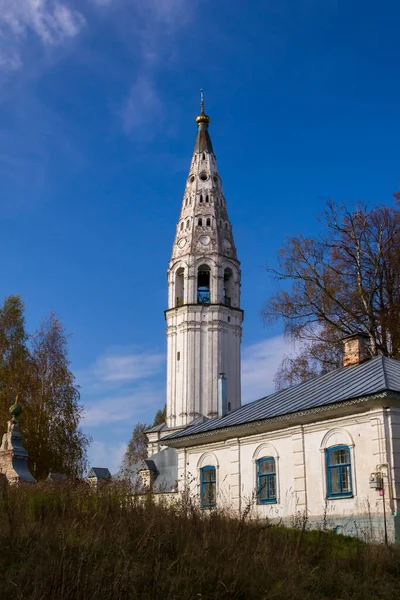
(299, 463)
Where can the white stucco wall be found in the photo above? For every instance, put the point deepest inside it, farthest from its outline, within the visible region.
(207, 341)
(299, 452)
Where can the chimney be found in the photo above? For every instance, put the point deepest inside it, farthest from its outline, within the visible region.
(222, 397)
(356, 349)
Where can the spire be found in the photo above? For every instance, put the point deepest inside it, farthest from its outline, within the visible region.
(203, 140)
(204, 228)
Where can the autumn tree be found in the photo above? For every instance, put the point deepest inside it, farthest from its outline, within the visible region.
(53, 437)
(345, 281)
(38, 370)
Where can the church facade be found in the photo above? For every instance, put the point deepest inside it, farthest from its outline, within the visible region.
(327, 451)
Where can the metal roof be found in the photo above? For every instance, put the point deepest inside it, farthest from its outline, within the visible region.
(159, 427)
(376, 375)
(99, 472)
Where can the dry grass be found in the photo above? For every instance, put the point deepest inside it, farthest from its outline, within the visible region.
(71, 542)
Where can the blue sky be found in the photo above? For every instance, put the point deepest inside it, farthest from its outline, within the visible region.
(97, 107)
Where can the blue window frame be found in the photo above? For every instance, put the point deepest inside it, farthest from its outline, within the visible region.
(208, 487)
(266, 481)
(338, 472)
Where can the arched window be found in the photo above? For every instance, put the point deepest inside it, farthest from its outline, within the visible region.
(266, 480)
(186, 203)
(338, 472)
(204, 156)
(187, 224)
(229, 286)
(207, 198)
(201, 198)
(200, 222)
(181, 225)
(203, 285)
(208, 222)
(226, 225)
(179, 286)
(208, 482)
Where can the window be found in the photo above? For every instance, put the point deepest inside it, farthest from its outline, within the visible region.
(187, 224)
(203, 285)
(181, 225)
(200, 222)
(266, 481)
(179, 286)
(208, 487)
(201, 199)
(338, 472)
(207, 198)
(204, 156)
(226, 225)
(186, 203)
(178, 356)
(229, 286)
(208, 222)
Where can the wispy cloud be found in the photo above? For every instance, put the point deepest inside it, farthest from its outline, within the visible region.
(141, 107)
(138, 403)
(122, 386)
(48, 22)
(260, 362)
(127, 367)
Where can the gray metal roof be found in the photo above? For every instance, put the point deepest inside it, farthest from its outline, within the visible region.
(99, 472)
(159, 427)
(376, 375)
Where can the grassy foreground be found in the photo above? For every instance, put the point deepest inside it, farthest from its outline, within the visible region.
(68, 541)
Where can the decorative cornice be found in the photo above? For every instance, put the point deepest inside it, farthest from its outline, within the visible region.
(199, 307)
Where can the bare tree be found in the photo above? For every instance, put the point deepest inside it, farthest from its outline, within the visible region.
(345, 281)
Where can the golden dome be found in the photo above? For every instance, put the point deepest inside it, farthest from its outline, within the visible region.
(202, 118)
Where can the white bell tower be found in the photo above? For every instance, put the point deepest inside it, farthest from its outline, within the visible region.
(204, 317)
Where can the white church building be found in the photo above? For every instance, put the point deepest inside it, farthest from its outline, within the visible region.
(327, 450)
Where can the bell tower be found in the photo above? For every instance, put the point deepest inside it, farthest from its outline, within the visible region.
(204, 317)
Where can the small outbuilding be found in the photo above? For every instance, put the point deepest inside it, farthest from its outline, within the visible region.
(98, 475)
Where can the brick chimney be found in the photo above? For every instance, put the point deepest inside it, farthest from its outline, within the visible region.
(356, 349)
